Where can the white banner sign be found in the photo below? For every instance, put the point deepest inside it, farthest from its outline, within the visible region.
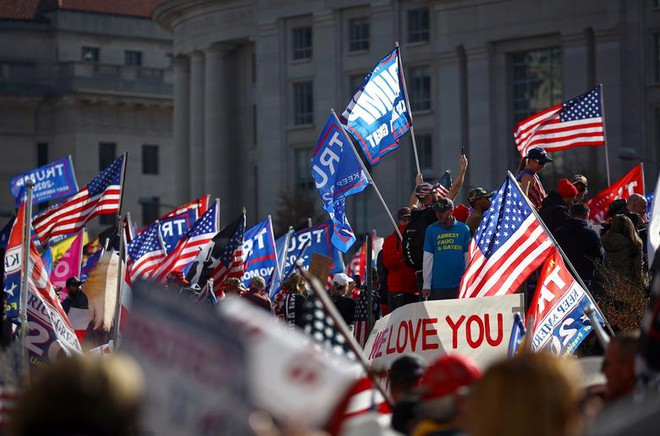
(479, 328)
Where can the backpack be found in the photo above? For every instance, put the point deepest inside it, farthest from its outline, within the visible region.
(413, 237)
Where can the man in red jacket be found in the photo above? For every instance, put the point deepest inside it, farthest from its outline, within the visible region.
(401, 279)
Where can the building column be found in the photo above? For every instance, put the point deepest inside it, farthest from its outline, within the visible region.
(182, 129)
(197, 92)
(217, 156)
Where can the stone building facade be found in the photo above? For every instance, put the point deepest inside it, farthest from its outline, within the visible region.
(91, 82)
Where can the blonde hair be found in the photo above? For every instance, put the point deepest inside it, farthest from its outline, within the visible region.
(623, 225)
(531, 394)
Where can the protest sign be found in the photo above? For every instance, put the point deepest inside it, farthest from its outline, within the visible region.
(193, 364)
(478, 328)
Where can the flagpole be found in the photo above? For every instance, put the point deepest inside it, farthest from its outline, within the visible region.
(120, 281)
(607, 158)
(343, 329)
(576, 276)
(405, 94)
(364, 168)
(123, 179)
(25, 270)
(368, 277)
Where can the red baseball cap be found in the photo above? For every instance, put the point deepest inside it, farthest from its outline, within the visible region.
(447, 375)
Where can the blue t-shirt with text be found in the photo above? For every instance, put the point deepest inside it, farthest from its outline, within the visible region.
(448, 247)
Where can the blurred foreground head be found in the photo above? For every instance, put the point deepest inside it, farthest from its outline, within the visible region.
(82, 396)
(530, 394)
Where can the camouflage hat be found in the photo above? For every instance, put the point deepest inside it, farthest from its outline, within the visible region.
(258, 282)
(233, 283)
(477, 194)
(443, 204)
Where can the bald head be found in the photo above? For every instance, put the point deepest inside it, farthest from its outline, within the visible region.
(637, 203)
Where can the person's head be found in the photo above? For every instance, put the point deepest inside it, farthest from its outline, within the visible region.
(579, 211)
(425, 193)
(233, 287)
(403, 217)
(257, 284)
(73, 285)
(637, 203)
(461, 212)
(530, 394)
(616, 207)
(443, 208)
(405, 374)
(340, 284)
(623, 225)
(479, 199)
(294, 284)
(567, 191)
(443, 388)
(535, 159)
(94, 396)
(619, 365)
(581, 184)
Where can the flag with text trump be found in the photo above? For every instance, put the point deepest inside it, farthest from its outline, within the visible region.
(577, 122)
(631, 183)
(337, 174)
(378, 116)
(187, 249)
(102, 196)
(509, 244)
(560, 324)
(259, 253)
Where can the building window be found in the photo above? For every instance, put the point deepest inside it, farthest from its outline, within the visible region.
(424, 143)
(149, 159)
(169, 60)
(301, 43)
(303, 169)
(150, 210)
(656, 56)
(358, 34)
(107, 154)
(303, 103)
(133, 58)
(42, 154)
(536, 81)
(90, 54)
(419, 81)
(418, 25)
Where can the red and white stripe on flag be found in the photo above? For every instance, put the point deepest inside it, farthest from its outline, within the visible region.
(575, 123)
(235, 269)
(509, 244)
(360, 399)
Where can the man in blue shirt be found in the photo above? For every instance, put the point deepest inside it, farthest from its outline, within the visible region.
(445, 253)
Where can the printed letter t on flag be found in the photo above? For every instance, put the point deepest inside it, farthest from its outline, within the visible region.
(337, 174)
(577, 122)
(377, 116)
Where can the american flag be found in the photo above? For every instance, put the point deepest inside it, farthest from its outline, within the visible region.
(145, 253)
(102, 196)
(320, 326)
(444, 184)
(509, 244)
(201, 205)
(575, 123)
(362, 330)
(190, 244)
(230, 261)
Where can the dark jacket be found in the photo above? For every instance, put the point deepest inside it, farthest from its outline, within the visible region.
(582, 247)
(553, 211)
(622, 257)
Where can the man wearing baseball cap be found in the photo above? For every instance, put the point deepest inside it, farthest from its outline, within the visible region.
(75, 295)
(479, 200)
(445, 253)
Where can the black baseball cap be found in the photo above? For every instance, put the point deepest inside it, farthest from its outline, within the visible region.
(73, 281)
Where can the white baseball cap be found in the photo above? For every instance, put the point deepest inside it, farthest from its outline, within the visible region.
(341, 279)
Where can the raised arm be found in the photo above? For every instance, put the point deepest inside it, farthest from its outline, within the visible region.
(458, 181)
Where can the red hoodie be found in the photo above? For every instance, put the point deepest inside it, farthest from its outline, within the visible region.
(400, 277)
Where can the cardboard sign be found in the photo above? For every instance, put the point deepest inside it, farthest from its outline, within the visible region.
(319, 267)
(478, 328)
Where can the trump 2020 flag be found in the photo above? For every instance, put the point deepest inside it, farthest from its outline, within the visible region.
(560, 324)
(337, 174)
(378, 116)
(259, 255)
(577, 122)
(509, 244)
(102, 196)
(51, 181)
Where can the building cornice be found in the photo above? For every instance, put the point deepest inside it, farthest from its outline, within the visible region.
(170, 13)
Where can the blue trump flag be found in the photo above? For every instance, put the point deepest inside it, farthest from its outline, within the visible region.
(259, 256)
(337, 174)
(302, 244)
(378, 115)
(172, 228)
(54, 180)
